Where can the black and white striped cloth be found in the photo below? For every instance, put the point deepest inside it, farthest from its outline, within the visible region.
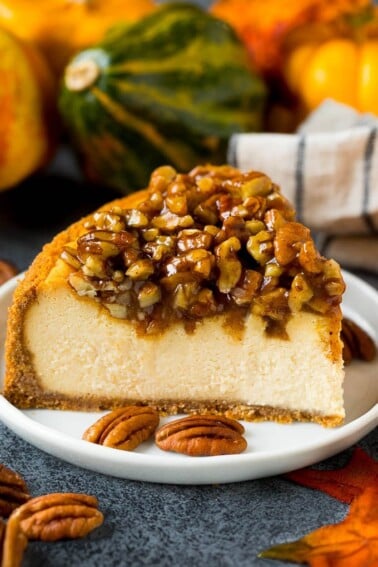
(328, 169)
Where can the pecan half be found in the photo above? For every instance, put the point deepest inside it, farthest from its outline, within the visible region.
(13, 491)
(13, 543)
(124, 428)
(357, 342)
(58, 516)
(202, 435)
(7, 271)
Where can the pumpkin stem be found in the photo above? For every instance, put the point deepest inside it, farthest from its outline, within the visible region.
(361, 18)
(80, 75)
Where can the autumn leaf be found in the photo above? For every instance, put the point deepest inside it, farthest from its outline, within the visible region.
(345, 483)
(352, 543)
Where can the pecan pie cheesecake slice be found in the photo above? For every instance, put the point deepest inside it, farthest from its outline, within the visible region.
(201, 293)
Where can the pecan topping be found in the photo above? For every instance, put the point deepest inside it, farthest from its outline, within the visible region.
(202, 435)
(7, 271)
(193, 246)
(124, 428)
(357, 342)
(58, 516)
(13, 491)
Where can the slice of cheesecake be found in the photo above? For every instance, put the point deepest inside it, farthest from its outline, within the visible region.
(200, 293)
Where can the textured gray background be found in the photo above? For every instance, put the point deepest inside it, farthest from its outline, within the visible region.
(175, 526)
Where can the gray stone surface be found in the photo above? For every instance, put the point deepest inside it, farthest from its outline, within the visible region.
(160, 525)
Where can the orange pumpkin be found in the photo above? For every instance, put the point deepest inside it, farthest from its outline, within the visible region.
(62, 27)
(339, 63)
(28, 116)
(264, 24)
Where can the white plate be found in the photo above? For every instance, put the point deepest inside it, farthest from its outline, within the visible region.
(272, 448)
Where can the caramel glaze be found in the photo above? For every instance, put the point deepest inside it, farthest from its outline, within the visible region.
(212, 241)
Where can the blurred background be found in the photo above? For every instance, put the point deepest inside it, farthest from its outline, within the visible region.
(94, 95)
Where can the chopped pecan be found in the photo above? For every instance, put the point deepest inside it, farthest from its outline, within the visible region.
(289, 240)
(357, 342)
(124, 428)
(202, 435)
(257, 185)
(229, 265)
(247, 288)
(213, 225)
(260, 246)
(300, 293)
(7, 271)
(13, 491)
(56, 516)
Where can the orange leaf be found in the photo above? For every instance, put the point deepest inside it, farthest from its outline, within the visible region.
(345, 483)
(352, 543)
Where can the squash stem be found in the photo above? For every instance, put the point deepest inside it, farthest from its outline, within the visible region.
(81, 75)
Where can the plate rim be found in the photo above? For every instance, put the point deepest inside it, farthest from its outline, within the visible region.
(38, 434)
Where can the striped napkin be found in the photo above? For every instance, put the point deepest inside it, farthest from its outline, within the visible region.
(328, 169)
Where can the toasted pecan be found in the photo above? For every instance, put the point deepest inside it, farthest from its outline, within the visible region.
(357, 342)
(62, 515)
(124, 428)
(13, 491)
(202, 435)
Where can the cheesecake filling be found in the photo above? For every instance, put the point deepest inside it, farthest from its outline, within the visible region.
(106, 357)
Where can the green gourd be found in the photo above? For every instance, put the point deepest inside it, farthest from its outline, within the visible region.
(169, 89)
